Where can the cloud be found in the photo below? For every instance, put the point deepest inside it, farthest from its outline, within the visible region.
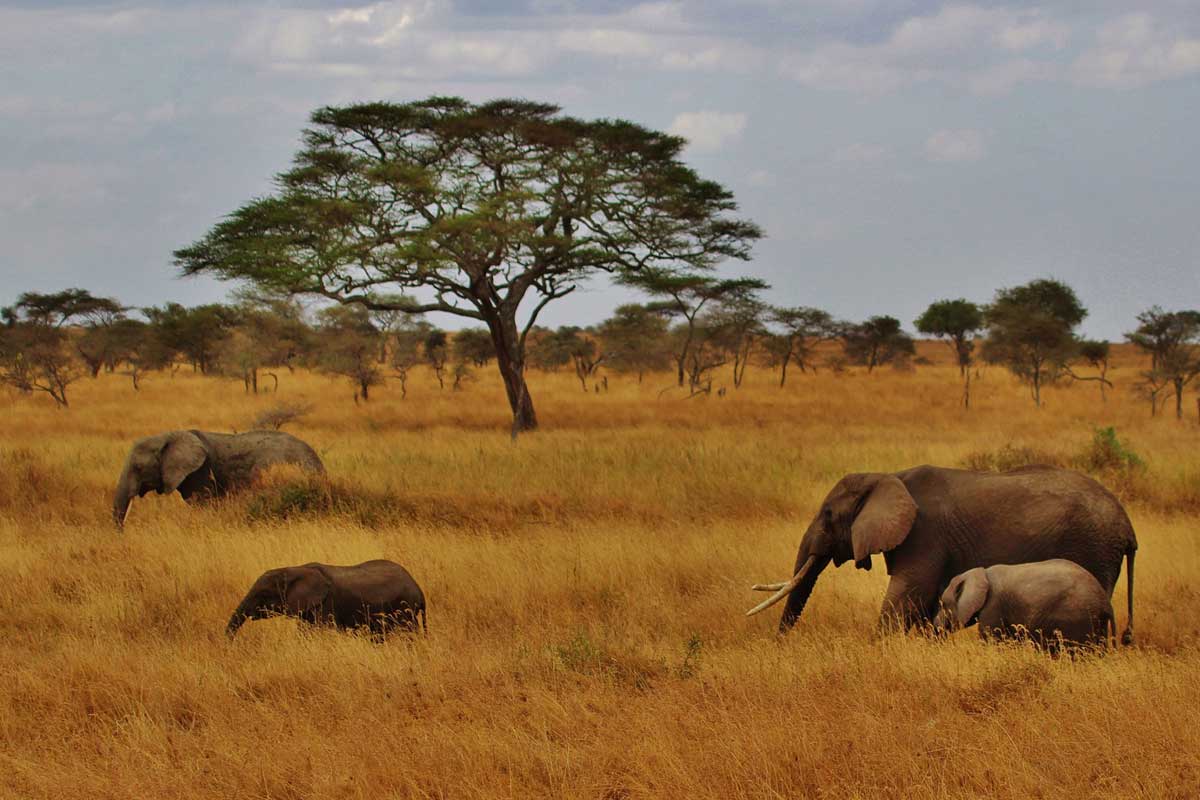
(1134, 50)
(707, 131)
(958, 44)
(965, 144)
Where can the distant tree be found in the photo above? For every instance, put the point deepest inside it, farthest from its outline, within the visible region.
(437, 351)
(56, 309)
(550, 350)
(800, 329)
(349, 346)
(35, 350)
(474, 346)
(708, 351)
(1031, 331)
(878, 341)
(487, 205)
(266, 334)
(140, 346)
(408, 348)
(685, 297)
(739, 322)
(463, 374)
(196, 333)
(1095, 354)
(570, 344)
(635, 337)
(587, 357)
(957, 322)
(38, 358)
(1172, 338)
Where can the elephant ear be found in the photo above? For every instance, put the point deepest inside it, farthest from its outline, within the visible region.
(972, 594)
(182, 455)
(885, 519)
(306, 589)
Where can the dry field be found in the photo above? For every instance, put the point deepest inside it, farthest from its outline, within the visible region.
(586, 588)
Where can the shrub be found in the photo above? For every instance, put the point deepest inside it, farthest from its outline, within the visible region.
(1107, 453)
(1010, 457)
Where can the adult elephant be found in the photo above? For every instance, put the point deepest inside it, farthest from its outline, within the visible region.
(199, 464)
(378, 595)
(932, 523)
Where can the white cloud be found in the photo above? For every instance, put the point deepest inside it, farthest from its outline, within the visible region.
(352, 16)
(1003, 77)
(964, 144)
(707, 131)
(1134, 50)
(959, 44)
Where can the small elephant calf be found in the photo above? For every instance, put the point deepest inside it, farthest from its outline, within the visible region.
(379, 595)
(1048, 599)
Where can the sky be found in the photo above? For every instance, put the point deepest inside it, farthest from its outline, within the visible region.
(895, 151)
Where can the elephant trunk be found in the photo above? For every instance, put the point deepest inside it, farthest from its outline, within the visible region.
(123, 498)
(236, 620)
(798, 597)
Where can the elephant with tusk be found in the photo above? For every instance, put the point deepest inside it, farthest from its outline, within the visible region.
(932, 523)
(199, 464)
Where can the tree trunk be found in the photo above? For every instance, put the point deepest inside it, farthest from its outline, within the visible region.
(1178, 399)
(783, 370)
(510, 360)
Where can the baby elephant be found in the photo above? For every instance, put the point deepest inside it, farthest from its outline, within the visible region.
(1046, 598)
(379, 594)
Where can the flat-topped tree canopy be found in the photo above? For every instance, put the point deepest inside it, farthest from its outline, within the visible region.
(483, 205)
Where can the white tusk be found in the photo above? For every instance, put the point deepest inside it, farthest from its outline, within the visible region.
(768, 587)
(784, 589)
(125, 516)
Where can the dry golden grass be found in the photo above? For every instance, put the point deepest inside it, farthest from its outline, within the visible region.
(586, 588)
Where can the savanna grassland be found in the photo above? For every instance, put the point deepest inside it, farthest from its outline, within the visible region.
(586, 588)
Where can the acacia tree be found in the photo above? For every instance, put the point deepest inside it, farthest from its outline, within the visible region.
(876, 342)
(635, 337)
(1094, 353)
(957, 322)
(1172, 338)
(686, 296)
(474, 345)
(407, 342)
(197, 333)
(1031, 331)
(739, 322)
(484, 206)
(349, 346)
(437, 350)
(802, 328)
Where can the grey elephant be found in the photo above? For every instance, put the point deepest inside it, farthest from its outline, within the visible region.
(379, 595)
(199, 464)
(932, 523)
(1050, 601)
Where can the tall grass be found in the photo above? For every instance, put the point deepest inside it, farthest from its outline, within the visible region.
(586, 586)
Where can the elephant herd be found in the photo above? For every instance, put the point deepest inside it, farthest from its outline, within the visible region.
(1033, 552)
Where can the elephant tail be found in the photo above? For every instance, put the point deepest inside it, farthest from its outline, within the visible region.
(1127, 636)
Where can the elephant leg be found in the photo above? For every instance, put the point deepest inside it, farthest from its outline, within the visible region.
(909, 602)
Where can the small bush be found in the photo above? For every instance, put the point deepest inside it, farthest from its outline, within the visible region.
(275, 418)
(1010, 457)
(1107, 453)
(585, 657)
